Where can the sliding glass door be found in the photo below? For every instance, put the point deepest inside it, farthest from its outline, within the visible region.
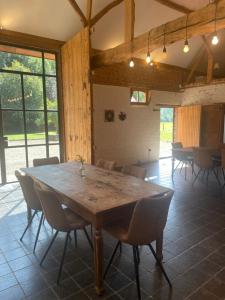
(29, 125)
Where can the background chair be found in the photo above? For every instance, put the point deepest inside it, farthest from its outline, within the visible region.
(32, 200)
(184, 158)
(45, 161)
(135, 171)
(203, 160)
(146, 225)
(177, 145)
(106, 164)
(61, 219)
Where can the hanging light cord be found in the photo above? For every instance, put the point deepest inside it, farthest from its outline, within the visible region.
(187, 26)
(164, 36)
(215, 16)
(149, 41)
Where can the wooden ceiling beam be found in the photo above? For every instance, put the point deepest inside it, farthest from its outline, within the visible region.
(175, 6)
(129, 20)
(89, 10)
(199, 22)
(104, 11)
(79, 11)
(195, 63)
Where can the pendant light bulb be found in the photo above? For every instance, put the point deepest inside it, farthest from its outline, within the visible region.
(215, 39)
(164, 52)
(131, 63)
(186, 48)
(148, 58)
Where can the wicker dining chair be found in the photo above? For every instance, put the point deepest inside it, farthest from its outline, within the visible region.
(59, 218)
(135, 171)
(45, 161)
(106, 164)
(145, 226)
(32, 200)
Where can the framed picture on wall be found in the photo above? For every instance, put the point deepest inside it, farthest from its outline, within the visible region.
(109, 115)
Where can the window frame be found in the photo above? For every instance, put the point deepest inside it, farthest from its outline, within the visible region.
(147, 95)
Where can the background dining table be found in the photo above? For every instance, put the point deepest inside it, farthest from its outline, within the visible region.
(100, 197)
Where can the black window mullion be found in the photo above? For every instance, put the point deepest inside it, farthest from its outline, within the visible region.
(24, 120)
(2, 148)
(58, 105)
(45, 105)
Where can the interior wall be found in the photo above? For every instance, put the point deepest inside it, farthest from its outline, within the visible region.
(127, 141)
(208, 94)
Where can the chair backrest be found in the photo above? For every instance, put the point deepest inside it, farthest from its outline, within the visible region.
(177, 145)
(45, 161)
(203, 157)
(135, 171)
(29, 193)
(149, 219)
(52, 207)
(106, 164)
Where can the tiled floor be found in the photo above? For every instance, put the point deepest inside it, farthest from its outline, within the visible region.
(194, 251)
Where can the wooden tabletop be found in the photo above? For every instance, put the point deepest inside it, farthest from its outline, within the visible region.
(99, 191)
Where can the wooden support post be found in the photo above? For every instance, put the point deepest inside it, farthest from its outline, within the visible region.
(129, 20)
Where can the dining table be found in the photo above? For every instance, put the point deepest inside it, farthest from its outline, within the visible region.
(100, 196)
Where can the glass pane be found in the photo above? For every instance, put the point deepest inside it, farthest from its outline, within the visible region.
(21, 60)
(10, 91)
(54, 150)
(33, 92)
(36, 152)
(15, 158)
(50, 64)
(13, 128)
(142, 97)
(134, 97)
(51, 93)
(53, 127)
(35, 128)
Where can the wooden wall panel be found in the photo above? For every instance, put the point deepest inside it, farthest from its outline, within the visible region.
(188, 125)
(212, 125)
(77, 96)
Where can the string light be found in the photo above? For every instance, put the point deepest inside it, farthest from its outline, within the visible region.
(131, 63)
(164, 43)
(186, 48)
(148, 57)
(215, 39)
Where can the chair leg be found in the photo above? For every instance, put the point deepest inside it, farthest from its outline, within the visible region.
(38, 232)
(75, 238)
(88, 238)
(63, 257)
(49, 247)
(176, 168)
(181, 167)
(160, 265)
(196, 176)
(111, 259)
(216, 175)
(28, 225)
(136, 269)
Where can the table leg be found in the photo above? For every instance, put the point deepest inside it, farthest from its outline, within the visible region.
(159, 247)
(98, 257)
(29, 213)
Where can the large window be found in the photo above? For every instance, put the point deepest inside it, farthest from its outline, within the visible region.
(29, 126)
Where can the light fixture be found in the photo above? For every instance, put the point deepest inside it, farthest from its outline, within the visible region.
(131, 63)
(186, 48)
(152, 63)
(148, 57)
(215, 39)
(164, 43)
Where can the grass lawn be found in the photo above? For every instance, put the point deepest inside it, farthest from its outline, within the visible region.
(30, 136)
(166, 131)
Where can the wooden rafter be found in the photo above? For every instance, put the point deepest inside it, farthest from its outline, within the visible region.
(194, 64)
(79, 11)
(210, 60)
(104, 11)
(199, 22)
(175, 6)
(89, 10)
(129, 20)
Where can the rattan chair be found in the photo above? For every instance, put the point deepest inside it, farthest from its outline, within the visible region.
(45, 161)
(146, 225)
(61, 219)
(106, 164)
(32, 200)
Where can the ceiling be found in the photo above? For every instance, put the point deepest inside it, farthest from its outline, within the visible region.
(56, 19)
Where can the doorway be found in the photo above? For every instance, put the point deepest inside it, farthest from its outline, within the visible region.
(29, 126)
(166, 131)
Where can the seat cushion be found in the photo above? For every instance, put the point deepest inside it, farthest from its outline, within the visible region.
(74, 220)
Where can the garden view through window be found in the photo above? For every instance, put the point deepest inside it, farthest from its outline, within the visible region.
(29, 126)
(138, 97)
